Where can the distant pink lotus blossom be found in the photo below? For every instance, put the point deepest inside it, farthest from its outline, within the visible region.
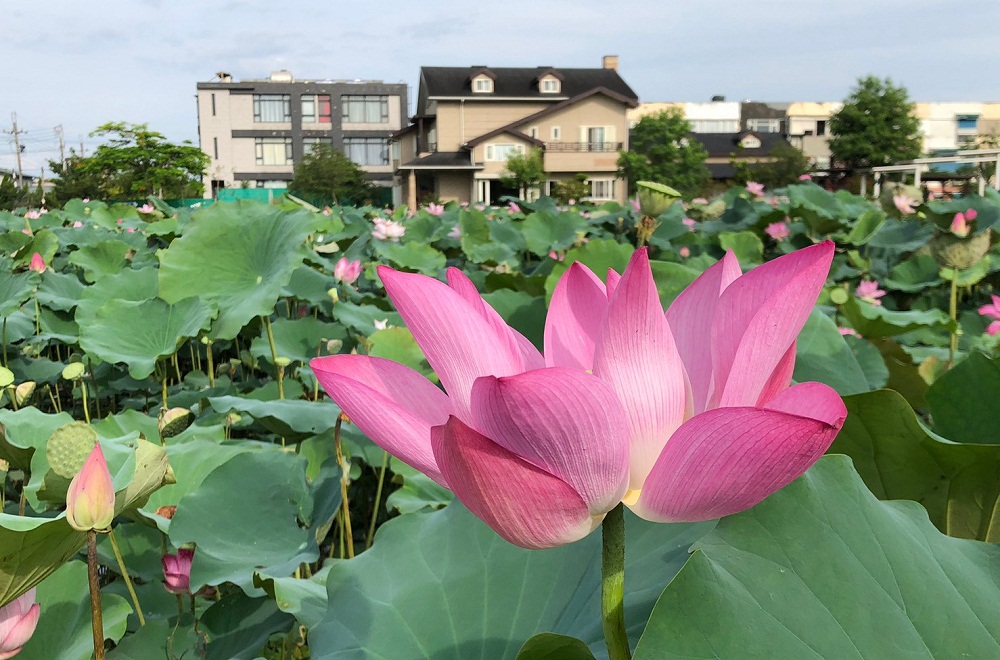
(435, 209)
(32, 215)
(513, 207)
(27, 231)
(992, 311)
(147, 208)
(805, 177)
(690, 223)
(868, 291)
(755, 189)
(130, 230)
(849, 332)
(971, 214)
(635, 205)
(347, 271)
(904, 203)
(86, 200)
(37, 263)
(959, 226)
(555, 255)
(778, 231)
(699, 200)
(572, 202)
(120, 220)
(177, 571)
(456, 232)
(388, 230)
(381, 325)
(685, 252)
(77, 224)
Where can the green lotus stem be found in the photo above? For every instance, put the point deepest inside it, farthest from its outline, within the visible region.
(38, 316)
(12, 391)
(4, 340)
(378, 499)
(163, 386)
(274, 354)
(195, 356)
(177, 367)
(211, 364)
(83, 398)
(344, 477)
(613, 584)
(953, 313)
(97, 393)
(55, 402)
(95, 596)
(22, 502)
(128, 579)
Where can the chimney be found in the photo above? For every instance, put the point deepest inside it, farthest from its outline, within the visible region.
(610, 62)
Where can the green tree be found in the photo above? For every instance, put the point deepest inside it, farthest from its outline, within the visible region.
(327, 176)
(660, 150)
(136, 162)
(876, 126)
(524, 171)
(73, 181)
(575, 188)
(787, 164)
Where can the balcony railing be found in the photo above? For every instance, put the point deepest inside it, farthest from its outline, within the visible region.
(584, 146)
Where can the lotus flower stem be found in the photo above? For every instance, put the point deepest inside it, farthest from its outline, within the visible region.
(613, 584)
(953, 313)
(274, 355)
(3, 339)
(83, 399)
(55, 403)
(210, 363)
(177, 367)
(95, 596)
(163, 386)
(97, 393)
(128, 579)
(348, 535)
(378, 500)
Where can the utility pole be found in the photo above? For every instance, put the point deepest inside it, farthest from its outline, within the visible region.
(17, 148)
(62, 145)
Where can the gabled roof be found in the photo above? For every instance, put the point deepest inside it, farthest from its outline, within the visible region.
(723, 144)
(510, 128)
(549, 71)
(455, 82)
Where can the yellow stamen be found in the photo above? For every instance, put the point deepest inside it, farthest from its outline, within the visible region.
(632, 496)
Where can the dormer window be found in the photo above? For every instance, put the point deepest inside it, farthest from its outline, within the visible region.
(750, 142)
(548, 86)
(482, 85)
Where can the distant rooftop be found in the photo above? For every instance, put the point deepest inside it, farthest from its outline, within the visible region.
(285, 76)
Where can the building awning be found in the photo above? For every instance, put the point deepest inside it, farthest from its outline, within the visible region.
(442, 160)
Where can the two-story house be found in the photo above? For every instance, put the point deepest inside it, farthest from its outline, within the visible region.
(470, 120)
(255, 131)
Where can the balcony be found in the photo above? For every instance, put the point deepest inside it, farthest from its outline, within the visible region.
(579, 147)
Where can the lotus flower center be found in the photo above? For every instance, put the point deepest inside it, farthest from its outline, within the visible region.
(632, 496)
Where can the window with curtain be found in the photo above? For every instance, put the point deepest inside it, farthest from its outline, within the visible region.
(367, 151)
(365, 109)
(272, 108)
(316, 108)
(274, 151)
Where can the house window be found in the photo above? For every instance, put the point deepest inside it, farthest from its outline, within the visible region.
(550, 85)
(715, 126)
(967, 122)
(215, 148)
(316, 108)
(501, 152)
(764, 125)
(270, 108)
(602, 188)
(213, 105)
(750, 142)
(365, 109)
(274, 151)
(596, 138)
(556, 133)
(310, 143)
(482, 85)
(367, 151)
(821, 127)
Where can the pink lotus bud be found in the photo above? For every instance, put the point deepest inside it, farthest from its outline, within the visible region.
(805, 177)
(347, 271)
(777, 230)
(685, 252)
(37, 263)
(513, 207)
(971, 214)
(90, 501)
(689, 223)
(904, 204)
(959, 226)
(177, 571)
(18, 619)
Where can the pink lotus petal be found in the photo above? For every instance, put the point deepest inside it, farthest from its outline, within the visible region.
(759, 316)
(637, 356)
(612, 281)
(522, 503)
(971, 214)
(993, 328)
(392, 404)
(993, 309)
(463, 286)
(459, 343)
(573, 322)
(690, 317)
(729, 459)
(564, 421)
(18, 620)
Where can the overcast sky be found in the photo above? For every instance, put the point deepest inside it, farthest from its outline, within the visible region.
(83, 63)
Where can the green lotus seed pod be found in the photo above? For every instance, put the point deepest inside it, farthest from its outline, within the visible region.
(282, 362)
(655, 198)
(960, 253)
(839, 296)
(73, 371)
(172, 422)
(68, 447)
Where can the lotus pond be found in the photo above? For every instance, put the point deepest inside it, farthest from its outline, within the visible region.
(254, 518)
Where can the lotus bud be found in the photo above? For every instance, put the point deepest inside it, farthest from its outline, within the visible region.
(177, 571)
(37, 263)
(90, 501)
(333, 346)
(232, 418)
(655, 198)
(960, 226)
(18, 619)
(174, 421)
(281, 362)
(23, 392)
(334, 296)
(73, 371)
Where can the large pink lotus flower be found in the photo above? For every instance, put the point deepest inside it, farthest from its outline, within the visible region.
(539, 453)
(347, 271)
(18, 619)
(435, 209)
(713, 422)
(755, 189)
(388, 230)
(177, 571)
(684, 416)
(868, 291)
(90, 500)
(992, 311)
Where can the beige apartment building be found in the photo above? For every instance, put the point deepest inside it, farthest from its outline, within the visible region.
(255, 131)
(470, 120)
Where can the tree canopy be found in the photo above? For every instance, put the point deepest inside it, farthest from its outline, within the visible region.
(524, 171)
(660, 150)
(132, 164)
(876, 126)
(327, 176)
(786, 165)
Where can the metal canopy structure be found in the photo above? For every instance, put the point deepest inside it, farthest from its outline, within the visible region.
(921, 165)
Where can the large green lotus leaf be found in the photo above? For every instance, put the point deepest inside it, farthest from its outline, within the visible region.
(238, 626)
(523, 312)
(550, 646)
(160, 638)
(875, 322)
(44, 242)
(309, 285)
(902, 235)
(509, 234)
(139, 333)
(237, 256)
(972, 275)
(964, 401)
(418, 492)
(298, 340)
(822, 569)
(915, 274)
(26, 430)
(477, 239)
(599, 255)
(15, 290)
(443, 585)
(303, 599)
(414, 256)
(128, 285)
(101, 260)
(823, 211)
(142, 549)
(869, 222)
(58, 326)
(899, 459)
(286, 417)
(362, 317)
(398, 345)
(671, 279)
(746, 245)
(252, 513)
(61, 291)
(64, 628)
(126, 422)
(822, 355)
(544, 232)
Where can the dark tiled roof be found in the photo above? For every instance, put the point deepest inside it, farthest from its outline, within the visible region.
(505, 129)
(442, 160)
(721, 170)
(520, 82)
(723, 144)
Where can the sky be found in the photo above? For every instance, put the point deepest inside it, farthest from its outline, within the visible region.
(79, 64)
